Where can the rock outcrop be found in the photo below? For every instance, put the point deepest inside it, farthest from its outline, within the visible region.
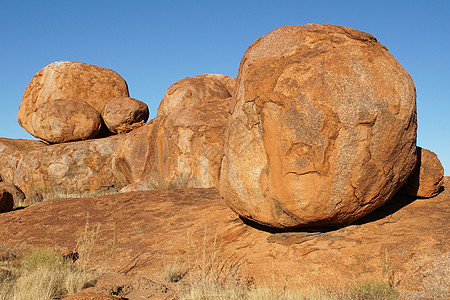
(123, 114)
(182, 147)
(410, 236)
(428, 176)
(59, 170)
(192, 91)
(59, 121)
(72, 81)
(322, 131)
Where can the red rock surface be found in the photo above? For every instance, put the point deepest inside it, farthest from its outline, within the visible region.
(141, 232)
(183, 146)
(323, 128)
(48, 171)
(192, 91)
(60, 121)
(428, 176)
(123, 114)
(70, 80)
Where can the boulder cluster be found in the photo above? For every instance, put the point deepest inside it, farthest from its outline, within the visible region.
(318, 129)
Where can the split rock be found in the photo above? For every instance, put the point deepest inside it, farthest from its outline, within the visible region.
(123, 114)
(322, 131)
(428, 177)
(59, 121)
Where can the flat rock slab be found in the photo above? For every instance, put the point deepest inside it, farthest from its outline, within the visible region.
(141, 232)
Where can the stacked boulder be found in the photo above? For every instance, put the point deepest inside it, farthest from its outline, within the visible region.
(64, 102)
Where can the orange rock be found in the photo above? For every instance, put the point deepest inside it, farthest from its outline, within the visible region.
(151, 230)
(428, 177)
(70, 80)
(182, 147)
(192, 91)
(123, 114)
(59, 121)
(58, 170)
(322, 131)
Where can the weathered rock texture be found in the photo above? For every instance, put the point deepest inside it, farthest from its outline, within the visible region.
(184, 225)
(428, 176)
(183, 146)
(73, 81)
(59, 121)
(192, 91)
(58, 170)
(123, 114)
(323, 128)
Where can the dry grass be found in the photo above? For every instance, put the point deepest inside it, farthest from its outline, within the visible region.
(43, 274)
(204, 274)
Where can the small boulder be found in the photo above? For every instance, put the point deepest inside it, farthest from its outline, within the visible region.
(322, 128)
(70, 80)
(123, 114)
(428, 177)
(59, 121)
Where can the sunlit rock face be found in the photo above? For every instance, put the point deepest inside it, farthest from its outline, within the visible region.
(68, 80)
(322, 128)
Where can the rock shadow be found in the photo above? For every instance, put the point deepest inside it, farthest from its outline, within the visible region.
(397, 202)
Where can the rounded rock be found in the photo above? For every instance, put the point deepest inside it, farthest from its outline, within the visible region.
(123, 114)
(322, 131)
(70, 80)
(59, 121)
(427, 179)
(192, 91)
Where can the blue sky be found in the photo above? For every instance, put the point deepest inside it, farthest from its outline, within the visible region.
(152, 44)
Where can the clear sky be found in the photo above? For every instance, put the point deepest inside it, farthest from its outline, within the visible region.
(153, 44)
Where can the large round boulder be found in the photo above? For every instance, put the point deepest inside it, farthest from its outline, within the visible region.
(322, 131)
(59, 121)
(70, 80)
(427, 180)
(123, 114)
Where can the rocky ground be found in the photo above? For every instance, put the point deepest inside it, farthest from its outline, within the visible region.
(140, 234)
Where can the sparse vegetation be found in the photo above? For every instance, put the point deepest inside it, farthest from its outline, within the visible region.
(42, 274)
